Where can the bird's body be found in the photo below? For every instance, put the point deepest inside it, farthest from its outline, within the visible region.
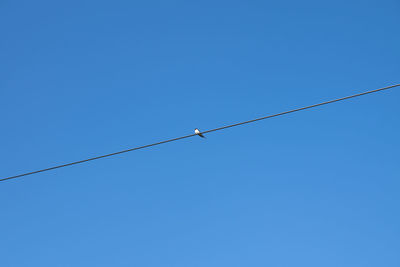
(197, 131)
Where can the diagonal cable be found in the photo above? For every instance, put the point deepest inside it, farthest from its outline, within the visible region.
(191, 135)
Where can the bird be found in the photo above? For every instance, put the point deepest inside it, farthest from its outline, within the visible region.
(197, 131)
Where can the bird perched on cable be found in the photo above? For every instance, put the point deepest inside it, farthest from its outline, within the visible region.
(197, 131)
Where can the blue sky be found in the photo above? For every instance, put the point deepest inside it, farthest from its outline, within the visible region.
(83, 78)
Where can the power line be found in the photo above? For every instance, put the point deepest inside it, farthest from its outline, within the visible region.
(191, 135)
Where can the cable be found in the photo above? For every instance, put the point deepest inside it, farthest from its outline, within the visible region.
(204, 132)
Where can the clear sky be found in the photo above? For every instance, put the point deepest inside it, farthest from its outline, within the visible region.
(84, 78)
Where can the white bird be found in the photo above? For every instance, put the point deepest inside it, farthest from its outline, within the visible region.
(197, 131)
